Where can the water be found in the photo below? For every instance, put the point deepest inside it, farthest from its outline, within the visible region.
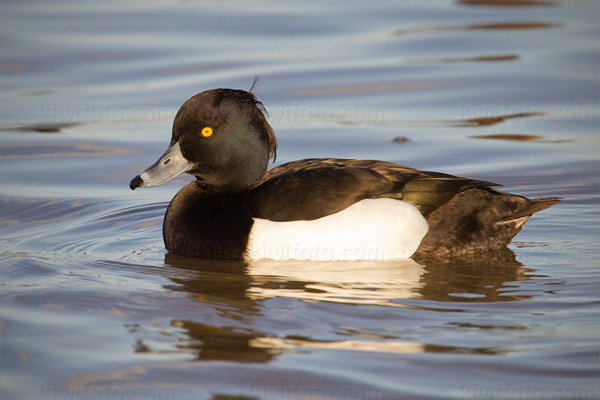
(94, 308)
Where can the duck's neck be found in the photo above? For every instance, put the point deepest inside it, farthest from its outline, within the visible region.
(228, 184)
(232, 176)
(206, 224)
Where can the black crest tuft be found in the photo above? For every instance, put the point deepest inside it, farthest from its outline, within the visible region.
(272, 140)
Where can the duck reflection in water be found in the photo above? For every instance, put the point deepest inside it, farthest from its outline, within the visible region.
(236, 325)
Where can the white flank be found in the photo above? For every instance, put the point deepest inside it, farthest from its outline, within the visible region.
(372, 229)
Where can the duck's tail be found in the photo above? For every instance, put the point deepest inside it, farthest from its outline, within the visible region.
(535, 205)
(478, 220)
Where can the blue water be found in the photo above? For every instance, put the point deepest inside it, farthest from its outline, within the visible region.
(94, 308)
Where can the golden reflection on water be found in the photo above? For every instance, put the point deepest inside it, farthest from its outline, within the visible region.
(54, 307)
(9, 222)
(493, 58)
(11, 67)
(384, 346)
(497, 119)
(371, 346)
(512, 26)
(125, 378)
(53, 149)
(465, 123)
(486, 26)
(510, 136)
(516, 137)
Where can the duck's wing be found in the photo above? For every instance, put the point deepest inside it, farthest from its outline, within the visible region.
(313, 188)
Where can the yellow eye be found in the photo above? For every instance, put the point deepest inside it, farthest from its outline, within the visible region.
(206, 132)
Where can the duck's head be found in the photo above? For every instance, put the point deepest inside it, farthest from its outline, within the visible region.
(220, 136)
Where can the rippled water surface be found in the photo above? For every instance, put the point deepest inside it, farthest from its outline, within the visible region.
(94, 308)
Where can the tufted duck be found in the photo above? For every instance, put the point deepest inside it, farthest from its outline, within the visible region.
(314, 209)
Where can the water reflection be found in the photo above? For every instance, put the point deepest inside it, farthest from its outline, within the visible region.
(233, 296)
(482, 279)
(49, 127)
(384, 346)
(486, 26)
(492, 58)
(493, 120)
(224, 343)
(86, 288)
(244, 285)
(211, 279)
(356, 89)
(508, 3)
(340, 282)
(59, 150)
(517, 137)
(222, 287)
(468, 122)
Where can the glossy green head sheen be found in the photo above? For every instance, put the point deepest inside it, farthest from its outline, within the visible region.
(220, 136)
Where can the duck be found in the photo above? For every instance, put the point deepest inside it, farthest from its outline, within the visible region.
(319, 209)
